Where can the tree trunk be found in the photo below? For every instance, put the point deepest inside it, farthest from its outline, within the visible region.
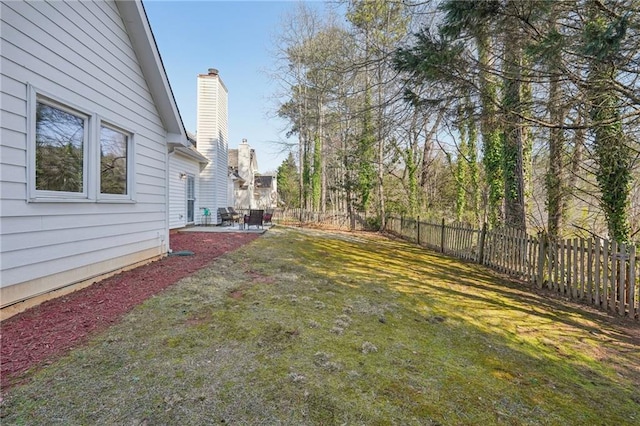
(612, 154)
(492, 152)
(426, 151)
(513, 130)
(555, 181)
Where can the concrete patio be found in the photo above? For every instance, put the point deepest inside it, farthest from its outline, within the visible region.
(227, 228)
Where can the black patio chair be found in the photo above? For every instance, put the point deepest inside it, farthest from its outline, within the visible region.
(268, 215)
(254, 218)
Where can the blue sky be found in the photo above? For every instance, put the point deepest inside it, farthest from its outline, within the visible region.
(235, 37)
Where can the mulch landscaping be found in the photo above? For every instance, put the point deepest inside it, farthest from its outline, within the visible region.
(44, 333)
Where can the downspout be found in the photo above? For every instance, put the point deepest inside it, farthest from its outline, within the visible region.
(164, 242)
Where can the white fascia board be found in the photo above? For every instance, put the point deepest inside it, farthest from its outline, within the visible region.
(137, 24)
(177, 138)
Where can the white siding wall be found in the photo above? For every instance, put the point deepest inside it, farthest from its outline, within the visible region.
(222, 174)
(212, 137)
(178, 190)
(80, 53)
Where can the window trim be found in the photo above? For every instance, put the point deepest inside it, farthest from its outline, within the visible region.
(129, 196)
(34, 194)
(187, 199)
(91, 171)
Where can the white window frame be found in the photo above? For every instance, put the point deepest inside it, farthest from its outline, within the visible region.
(91, 154)
(129, 196)
(38, 96)
(186, 198)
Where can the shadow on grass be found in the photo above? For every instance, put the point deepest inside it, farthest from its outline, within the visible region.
(458, 286)
(395, 259)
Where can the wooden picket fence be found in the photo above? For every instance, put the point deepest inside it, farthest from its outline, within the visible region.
(595, 271)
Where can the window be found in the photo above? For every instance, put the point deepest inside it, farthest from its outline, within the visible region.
(191, 197)
(76, 155)
(61, 135)
(114, 147)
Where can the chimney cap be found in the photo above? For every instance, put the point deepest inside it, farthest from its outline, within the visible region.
(213, 71)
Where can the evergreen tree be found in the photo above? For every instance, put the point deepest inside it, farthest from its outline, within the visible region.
(288, 183)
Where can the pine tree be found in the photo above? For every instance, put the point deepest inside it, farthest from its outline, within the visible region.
(288, 183)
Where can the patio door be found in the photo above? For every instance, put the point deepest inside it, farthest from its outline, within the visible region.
(191, 198)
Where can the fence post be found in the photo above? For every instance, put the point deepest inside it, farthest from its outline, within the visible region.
(622, 278)
(542, 245)
(418, 236)
(483, 235)
(633, 302)
(442, 237)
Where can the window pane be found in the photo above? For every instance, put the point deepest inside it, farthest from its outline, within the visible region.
(113, 161)
(59, 149)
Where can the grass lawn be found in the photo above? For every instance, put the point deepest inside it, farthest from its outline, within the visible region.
(310, 327)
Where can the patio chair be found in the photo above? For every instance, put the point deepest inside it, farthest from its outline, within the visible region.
(267, 216)
(234, 214)
(254, 218)
(225, 216)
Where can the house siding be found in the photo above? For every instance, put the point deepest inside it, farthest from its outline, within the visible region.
(212, 137)
(178, 190)
(222, 174)
(80, 53)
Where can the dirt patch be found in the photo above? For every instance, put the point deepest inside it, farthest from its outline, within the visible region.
(237, 294)
(257, 277)
(47, 331)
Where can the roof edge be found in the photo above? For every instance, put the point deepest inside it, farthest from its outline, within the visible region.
(144, 43)
(187, 152)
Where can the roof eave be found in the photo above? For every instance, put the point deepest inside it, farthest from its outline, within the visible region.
(187, 152)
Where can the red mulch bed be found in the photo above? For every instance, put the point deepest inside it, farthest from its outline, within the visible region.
(45, 332)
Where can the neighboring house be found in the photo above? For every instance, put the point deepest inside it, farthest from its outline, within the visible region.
(185, 165)
(266, 191)
(250, 189)
(212, 134)
(87, 120)
(234, 181)
(243, 165)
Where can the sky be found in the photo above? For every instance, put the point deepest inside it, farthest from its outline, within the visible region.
(234, 37)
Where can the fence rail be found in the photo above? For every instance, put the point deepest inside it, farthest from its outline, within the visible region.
(596, 271)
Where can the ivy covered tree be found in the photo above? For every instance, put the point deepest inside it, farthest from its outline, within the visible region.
(379, 25)
(476, 20)
(603, 35)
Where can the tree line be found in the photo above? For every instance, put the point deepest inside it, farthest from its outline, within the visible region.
(521, 113)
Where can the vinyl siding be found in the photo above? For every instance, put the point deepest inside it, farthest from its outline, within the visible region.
(212, 137)
(222, 174)
(207, 138)
(80, 53)
(178, 190)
